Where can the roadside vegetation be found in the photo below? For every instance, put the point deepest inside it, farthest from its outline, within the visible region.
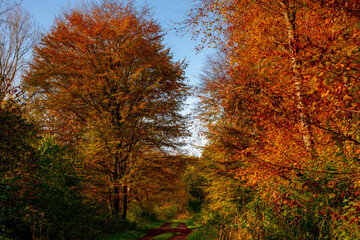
(132, 233)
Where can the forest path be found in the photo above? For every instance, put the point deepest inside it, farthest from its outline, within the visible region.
(181, 231)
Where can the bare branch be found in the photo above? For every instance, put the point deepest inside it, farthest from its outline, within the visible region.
(18, 34)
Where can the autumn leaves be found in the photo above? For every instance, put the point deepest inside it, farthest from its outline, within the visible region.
(286, 75)
(107, 85)
(285, 105)
(280, 102)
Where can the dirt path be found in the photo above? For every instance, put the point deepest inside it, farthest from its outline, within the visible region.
(181, 232)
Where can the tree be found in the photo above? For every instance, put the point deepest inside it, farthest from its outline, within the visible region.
(287, 104)
(58, 208)
(107, 85)
(157, 187)
(18, 34)
(40, 185)
(286, 83)
(18, 161)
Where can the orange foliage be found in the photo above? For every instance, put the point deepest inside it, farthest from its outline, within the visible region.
(289, 96)
(106, 84)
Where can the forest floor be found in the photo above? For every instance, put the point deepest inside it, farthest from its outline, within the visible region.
(179, 232)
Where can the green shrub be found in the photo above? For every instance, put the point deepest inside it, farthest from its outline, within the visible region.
(208, 233)
(142, 215)
(194, 205)
(168, 211)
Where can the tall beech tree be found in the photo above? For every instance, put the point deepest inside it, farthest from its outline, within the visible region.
(107, 85)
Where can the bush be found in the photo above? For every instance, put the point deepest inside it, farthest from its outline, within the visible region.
(194, 205)
(18, 161)
(168, 211)
(207, 233)
(142, 214)
(58, 210)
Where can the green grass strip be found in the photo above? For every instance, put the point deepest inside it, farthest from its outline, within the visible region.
(174, 225)
(164, 236)
(132, 234)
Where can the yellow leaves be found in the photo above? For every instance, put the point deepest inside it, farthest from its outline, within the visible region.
(346, 98)
(324, 95)
(352, 50)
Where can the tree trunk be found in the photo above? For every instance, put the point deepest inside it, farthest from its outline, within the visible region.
(125, 189)
(305, 128)
(116, 201)
(116, 187)
(125, 202)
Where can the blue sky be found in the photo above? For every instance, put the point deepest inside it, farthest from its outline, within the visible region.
(167, 12)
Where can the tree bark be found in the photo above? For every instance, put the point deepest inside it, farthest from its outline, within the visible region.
(125, 202)
(116, 187)
(116, 201)
(305, 128)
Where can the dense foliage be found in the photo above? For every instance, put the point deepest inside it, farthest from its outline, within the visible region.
(40, 186)
(106, 95)
(89, 141)
(108, 86)
(281, 102)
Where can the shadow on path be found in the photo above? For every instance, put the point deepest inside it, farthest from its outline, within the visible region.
(181, 232)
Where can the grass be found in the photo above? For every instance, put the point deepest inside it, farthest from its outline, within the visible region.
(200, 232)
(174, 225)
(141, 231)
(134, 233)
(204, 234)
(164, 236)
(130, 235)
(190, 224)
